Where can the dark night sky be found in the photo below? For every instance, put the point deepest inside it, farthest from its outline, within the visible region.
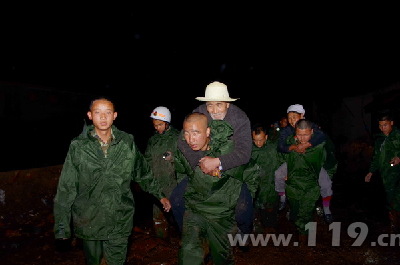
(104, 47)
(145, 58)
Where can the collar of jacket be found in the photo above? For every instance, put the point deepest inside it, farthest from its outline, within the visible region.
(87, 134)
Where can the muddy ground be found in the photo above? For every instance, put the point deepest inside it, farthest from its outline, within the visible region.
(26, 225)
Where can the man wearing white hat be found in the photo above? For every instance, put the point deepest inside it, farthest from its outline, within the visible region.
(218, 106)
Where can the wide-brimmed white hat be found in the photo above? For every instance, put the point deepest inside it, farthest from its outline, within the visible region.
(216, 91)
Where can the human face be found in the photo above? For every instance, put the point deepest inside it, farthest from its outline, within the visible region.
(196, 134)
(386, 127)
(259, 139)
(217, 109)
(160, 126)
(102, 114)
(293, 117)
(304, 135)
(283, 122)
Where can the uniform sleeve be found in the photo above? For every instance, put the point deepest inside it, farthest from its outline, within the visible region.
(182, 166)
(375, 158)
(148, 151)
(330, 163)
(252, 176)
(243, 144)
(65, 197)
(283, 146)
(318, 136)
(144, 176)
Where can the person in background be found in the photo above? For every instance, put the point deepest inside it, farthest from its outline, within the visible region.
(218, 106)
(159, 153)
(266, 155)
(210, 200)
(386, 160)
(276, 128)
(296, 112)
(94, 189)
(283, 122)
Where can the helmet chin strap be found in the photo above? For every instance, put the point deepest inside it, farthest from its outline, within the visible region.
(166, 127)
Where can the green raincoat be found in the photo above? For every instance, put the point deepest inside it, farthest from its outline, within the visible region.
(269, 159)
(386, 148)
(330, 161)
(210, 201)
(302, 189)
(95, 191)
(163, 170)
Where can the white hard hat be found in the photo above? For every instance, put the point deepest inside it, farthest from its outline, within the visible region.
(161, 113)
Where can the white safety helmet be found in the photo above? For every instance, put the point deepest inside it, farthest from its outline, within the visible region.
(161, 113)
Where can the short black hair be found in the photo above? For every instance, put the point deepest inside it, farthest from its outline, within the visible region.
(304, 124)
(258, 128)
(101, 98)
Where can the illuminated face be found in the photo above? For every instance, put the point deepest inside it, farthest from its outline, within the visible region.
(259, 139)
(217, 109)
(304, 135)
(293, 117)
(102, 114)
(159, 125)
(386, 127)
(196, 134)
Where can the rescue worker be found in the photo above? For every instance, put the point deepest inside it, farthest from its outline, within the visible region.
(296, 112)
(276, 128)
(210, 200)
(94, 190)
(266, 155)
(159, 152)
(302, 189)
(386, 160)
(218, 106)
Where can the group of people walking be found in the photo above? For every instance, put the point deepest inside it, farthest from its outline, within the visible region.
(209, 179)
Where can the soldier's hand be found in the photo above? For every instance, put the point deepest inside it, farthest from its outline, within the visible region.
(395, 161)
(167, 156)
(301, 148)
(166, 204)
(209, 164)
(368, 177)
(216, 173)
